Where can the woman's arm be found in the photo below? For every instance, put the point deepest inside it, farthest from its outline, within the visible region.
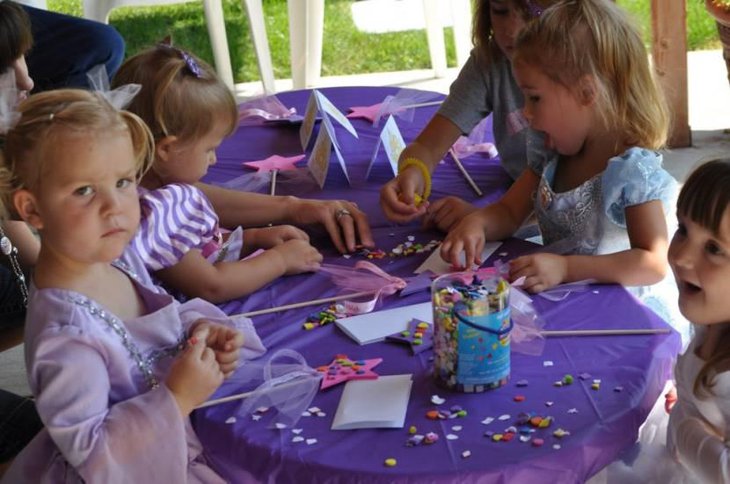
(236, 208)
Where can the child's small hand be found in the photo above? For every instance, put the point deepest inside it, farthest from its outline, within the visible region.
(541, 271)
(467, 237)
(267, 237)
(445, 213)
(398, 196)
(225, 342)
(298, 256)
(195, 374)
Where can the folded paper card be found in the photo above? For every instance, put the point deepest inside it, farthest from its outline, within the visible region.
(437, 265)
(371, 327)
(380, 403)
(392, 142)
(318, 162)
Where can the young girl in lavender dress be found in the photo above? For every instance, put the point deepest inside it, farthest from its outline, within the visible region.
(601, 201)
(190, 111)
(115, 364)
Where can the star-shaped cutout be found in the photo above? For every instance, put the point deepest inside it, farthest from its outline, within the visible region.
(418, 283)
(344, 369)
(419, 336)
(275, 162)
(365, 112)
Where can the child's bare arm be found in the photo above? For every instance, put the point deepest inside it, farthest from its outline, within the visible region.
(494, 222)
(396, 196)
(268, 237)
(194, 276)
(643, 264)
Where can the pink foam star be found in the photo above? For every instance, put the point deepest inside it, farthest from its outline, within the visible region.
(275, 162)
(343, 369)
(365, 112)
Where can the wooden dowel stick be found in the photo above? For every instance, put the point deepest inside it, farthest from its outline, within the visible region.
(307, 303)
(604, 332)
(241, 396)
(421, 105)
(466, 175)
(272, 191)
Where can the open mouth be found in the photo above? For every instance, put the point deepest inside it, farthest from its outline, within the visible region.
(689, 288)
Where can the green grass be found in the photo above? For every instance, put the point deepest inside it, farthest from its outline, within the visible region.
(346, 50)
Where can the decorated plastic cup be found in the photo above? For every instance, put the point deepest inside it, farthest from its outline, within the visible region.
(472, 327)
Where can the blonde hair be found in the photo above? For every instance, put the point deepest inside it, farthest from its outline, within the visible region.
(49, 116)
(181, 95)
(482, 33)
(576, 38)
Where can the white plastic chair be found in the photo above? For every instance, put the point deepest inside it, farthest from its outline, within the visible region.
(99, 10)
(306, 24)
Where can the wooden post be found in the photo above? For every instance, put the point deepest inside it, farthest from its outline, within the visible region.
(669, 48)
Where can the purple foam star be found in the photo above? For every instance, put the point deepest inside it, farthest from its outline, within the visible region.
(419, 336)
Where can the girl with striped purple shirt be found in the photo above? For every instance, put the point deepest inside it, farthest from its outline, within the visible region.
(190, 111)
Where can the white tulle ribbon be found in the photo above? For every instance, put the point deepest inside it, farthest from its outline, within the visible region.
(119, 97)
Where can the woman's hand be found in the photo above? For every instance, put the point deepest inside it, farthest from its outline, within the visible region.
(345, 223)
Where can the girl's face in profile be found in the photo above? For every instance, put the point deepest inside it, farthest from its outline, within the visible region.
(700, 260)
(554, 110)
(507, 22)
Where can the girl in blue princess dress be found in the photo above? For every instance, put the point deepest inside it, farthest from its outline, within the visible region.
(601, 201)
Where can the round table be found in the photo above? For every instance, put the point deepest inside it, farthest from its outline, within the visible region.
(602, 423)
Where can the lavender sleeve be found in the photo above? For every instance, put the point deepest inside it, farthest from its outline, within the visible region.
(71, 380)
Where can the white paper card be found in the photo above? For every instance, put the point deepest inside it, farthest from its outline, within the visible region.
(310, 116)
(437, 265)
(380, 403)
(341, 160)
(372, 327)
(392, 142)
(319, 160)
(326, 107)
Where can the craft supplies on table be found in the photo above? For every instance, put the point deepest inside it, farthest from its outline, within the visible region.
(471, 332)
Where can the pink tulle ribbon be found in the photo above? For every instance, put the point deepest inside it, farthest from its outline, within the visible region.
(262, 109)
(363, 276)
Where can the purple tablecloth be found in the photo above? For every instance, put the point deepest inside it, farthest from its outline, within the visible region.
(602, 422)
